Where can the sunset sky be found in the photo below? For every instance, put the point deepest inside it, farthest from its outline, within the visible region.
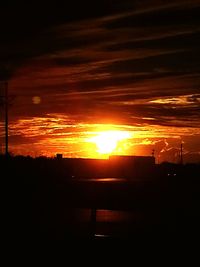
(79, 70)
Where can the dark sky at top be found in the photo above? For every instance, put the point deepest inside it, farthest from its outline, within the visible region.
(131, 63)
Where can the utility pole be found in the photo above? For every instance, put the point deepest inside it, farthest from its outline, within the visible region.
(181, 154)
(6, 118)
(5, 72)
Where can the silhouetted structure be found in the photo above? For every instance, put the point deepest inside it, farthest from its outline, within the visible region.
(132, 166)
(59, 156)
(4, 103)
(6, 118)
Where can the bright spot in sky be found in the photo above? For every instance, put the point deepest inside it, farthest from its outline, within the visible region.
(36, 100)
(107, 141)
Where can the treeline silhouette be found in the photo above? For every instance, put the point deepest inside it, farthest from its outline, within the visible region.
(46, 199)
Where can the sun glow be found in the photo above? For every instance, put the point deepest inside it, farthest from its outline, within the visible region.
(108, 141)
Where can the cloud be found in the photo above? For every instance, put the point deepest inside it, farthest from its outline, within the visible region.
(133, 63)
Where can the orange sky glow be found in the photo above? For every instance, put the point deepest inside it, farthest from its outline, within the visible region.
(115, 79)
(55, 133)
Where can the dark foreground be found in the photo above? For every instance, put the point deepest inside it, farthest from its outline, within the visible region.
(40, 206)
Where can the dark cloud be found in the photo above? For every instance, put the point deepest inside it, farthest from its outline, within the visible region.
(162, 17)
(177, 61)
(181, 41)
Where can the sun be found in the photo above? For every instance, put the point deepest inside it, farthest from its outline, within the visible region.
(107, 141)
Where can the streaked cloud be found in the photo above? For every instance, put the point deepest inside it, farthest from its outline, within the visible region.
(130, 65)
